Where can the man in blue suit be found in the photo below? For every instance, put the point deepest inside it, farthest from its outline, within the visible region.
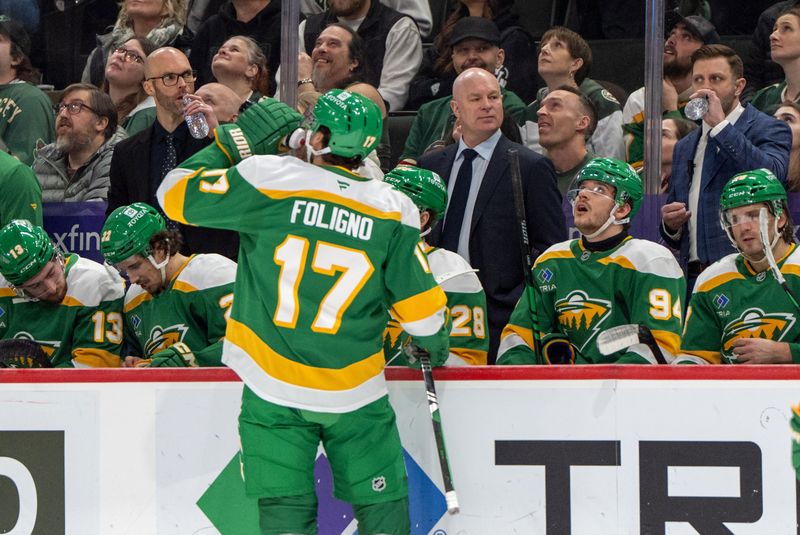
(480, 222)
(733, 138)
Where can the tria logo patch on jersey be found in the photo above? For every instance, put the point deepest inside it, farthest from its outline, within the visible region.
(2, 312)
(721, 300)
(136, 321)
(755, 323)
(580, 312)
(545, 276)
(379, 484)
(162, 337)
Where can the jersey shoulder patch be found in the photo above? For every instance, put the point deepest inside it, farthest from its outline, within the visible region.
(452, 272)
(90, 283)
(718, 273)
(205, 271)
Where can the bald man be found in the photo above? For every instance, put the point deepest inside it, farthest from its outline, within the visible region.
(141, 161)
(223, 100)
(479, 223)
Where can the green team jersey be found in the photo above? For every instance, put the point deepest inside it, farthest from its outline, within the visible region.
(769, 99)
(22, 193)
(26, 119)
(84, 330)
(580, 293)
(324, 255)
(466, 301)
(731, 301)
(192, 309)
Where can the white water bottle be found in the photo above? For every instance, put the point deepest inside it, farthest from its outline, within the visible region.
(198, 126)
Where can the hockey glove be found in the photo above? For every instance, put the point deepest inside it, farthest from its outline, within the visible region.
(178, 355)
(557, 349)
(21, 353)
(436, 345)
(258, 130)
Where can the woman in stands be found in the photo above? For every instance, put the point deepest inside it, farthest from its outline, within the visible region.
(161, 21)
(241, 65)
(785, 51)
(123, 82)
(672, 131)
(789, 112)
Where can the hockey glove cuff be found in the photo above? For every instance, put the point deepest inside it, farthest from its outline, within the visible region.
(258, 130)
(557, 349)
(177, 355)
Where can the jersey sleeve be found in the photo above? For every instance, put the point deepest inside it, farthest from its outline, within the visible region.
(98, 334)
(217, 302)
(701, 333)
(469, 333)
(516, 340)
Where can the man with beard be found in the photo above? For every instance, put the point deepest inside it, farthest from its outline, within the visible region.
(141, 161)
(392, 38)
(77, 165)
(474, 43)
(687, 35)
(733, 139)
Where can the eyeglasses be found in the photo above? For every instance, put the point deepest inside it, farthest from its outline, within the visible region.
(171, 78)
(74, 108)
(128, 55)
(598, 190)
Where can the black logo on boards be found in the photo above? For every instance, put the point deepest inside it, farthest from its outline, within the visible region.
(32, 482)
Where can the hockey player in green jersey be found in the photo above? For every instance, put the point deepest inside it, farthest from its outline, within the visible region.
(324, 255)
(176, 307)
(69, 305)
(738, 312)
(604, 279)
(466, 301)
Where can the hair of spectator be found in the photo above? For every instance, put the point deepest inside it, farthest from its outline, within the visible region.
(576, 46)
(685, 126)
(333, 159)
(131, 101)
(357, 53)
(787, 232)
(100, 102)
(794, 10)
(169, 241)
(176, 13)
(720, 51)
(256, 56)
(25, 70)
(587, 108)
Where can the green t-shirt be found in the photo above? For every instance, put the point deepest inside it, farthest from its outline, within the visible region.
(26, 119)
(22, 193)
(769, 99)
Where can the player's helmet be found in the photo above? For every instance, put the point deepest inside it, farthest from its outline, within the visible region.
(24, 251)
(128, 230)
(425, 188)
(751, 187)
(620, 175)
(354, 121)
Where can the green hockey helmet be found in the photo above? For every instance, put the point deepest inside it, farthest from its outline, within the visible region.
(128, 230)
(425, 188)
(354, 122)
(24, 251)
(626, 182)
(751, 187)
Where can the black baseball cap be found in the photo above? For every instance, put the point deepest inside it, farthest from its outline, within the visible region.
(15, 33)
(697, 26)
(475, 28)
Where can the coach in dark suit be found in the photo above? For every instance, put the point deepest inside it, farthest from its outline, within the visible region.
(480, 223)
(140, 162)
(733, 138)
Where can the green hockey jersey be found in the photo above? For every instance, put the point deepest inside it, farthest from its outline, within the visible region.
(731, 301)
(193, 309)
(580, 293)
(466, 301)
(84, 330)
(324, 254)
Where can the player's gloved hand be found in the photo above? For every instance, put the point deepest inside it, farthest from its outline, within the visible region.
(258, 130)
(177, 355)
(557, 349)
(21, 353)
(436, 345)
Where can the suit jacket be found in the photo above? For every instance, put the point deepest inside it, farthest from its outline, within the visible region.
(494, 245)
(129, 172)
(756, 140)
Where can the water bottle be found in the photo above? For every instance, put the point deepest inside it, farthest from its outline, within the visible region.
(198, 126)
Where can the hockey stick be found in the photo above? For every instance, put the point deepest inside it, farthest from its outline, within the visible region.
(624, 336)
(527, 264)
(436, 419)
(762, 227)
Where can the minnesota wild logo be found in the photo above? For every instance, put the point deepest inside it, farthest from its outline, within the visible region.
(163, 337)
(755, 323)
(48, 346)
(579, 312)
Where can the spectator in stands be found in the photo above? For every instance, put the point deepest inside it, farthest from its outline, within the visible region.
(566, 121)
(26, 12)
(672, 131)
(789, 113)
(241, 65)
(22, 194)
(685, 36)
(419, 11)
(26, 113)
(223, 100)
(141, 161)
(124, 78)
(479, 223)
(76, 166)
(733, 139)
(392, 38)
(759, 69)
(785, 51)
(161, 21)
(565, 59)
(475, 43)
(258, 19)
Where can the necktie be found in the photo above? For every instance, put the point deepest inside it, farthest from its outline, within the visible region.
(458, 202)
(168, 164)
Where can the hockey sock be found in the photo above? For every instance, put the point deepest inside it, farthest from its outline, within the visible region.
(387, 518)
(288, 515)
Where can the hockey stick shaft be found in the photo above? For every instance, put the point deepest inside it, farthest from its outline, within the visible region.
(525, 247)
(438, 435)
(650, 341)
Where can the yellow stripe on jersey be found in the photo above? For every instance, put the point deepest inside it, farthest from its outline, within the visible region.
(70, 301)
(619, 260)
(668, 340)
(522, 332)
(136, 301)
(421, 306)
(175, 197)
(473, 357)
(7, 292)
(333, 198)
(712, 357)
(790, 269)
(296, 373)
(719, 280)
(554, 254)
(182, 286)
(95, 358)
